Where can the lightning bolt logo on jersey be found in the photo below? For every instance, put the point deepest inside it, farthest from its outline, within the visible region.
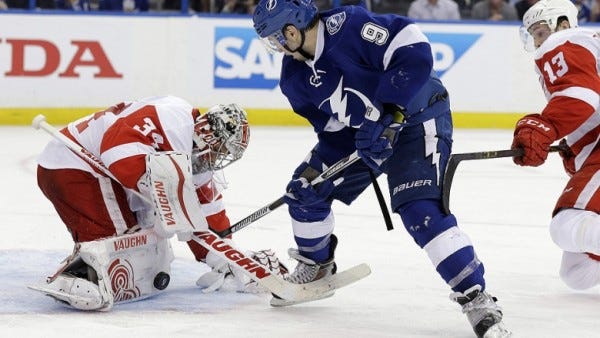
(340, 88)
(338, 104)
(386, 68)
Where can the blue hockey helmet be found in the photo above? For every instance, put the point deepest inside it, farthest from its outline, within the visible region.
(272, 16)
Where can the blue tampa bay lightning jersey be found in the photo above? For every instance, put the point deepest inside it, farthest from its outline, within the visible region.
(364, 60)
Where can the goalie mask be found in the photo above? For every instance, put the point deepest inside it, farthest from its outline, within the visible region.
(220, 136)
(542, 19)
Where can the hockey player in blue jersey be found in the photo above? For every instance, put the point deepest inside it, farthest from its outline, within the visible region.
(366, 83)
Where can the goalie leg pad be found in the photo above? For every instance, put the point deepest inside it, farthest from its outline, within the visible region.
(130, 264)
(113, 270)
(76, 284)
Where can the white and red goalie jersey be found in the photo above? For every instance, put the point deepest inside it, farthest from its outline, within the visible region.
(123, 134)
(567, 64)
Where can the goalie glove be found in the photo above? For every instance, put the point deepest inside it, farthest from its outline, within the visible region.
(269, 260)
(223, 277)
(534, 135)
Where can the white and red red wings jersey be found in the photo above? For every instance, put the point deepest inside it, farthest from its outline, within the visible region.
(568, 63)
(123, 134)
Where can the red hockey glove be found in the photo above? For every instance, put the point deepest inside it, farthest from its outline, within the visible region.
(534, 135)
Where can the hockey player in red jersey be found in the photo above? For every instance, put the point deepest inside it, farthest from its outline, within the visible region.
(119, 253)
(567, 62)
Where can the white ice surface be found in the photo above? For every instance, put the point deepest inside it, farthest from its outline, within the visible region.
(505, 210)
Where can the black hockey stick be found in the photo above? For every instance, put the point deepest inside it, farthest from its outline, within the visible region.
(455, 159)
(325, 175)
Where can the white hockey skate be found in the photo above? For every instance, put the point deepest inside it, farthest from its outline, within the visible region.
(307, 271)
(483, 313)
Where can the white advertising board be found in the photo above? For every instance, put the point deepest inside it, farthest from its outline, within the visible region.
(64, 62)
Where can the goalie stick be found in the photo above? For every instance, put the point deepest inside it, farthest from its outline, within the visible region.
(226, 249)
(294, 293)
(455, 159)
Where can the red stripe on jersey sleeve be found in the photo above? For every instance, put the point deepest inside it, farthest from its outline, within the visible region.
(566, 114)
(219, 221)
(207, 193)
(129, 170)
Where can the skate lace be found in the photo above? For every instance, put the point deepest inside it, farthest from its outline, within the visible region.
(482, 301)
(306, 270)
(304, 273)
(481, 306)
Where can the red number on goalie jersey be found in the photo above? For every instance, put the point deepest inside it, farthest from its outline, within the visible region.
(115, 110)
(129, 139)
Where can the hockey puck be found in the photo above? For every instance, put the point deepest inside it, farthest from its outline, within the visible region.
(161, 281)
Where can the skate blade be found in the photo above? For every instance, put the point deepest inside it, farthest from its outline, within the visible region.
(497, 331)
